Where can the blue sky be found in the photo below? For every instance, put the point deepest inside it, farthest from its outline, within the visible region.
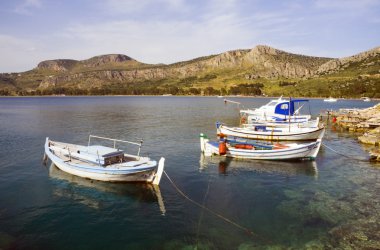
(167, 31)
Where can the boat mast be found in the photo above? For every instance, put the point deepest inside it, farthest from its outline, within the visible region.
(290, 100)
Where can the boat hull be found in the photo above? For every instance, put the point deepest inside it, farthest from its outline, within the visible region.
(305, 124)
(306, 151)
(150, 172)
(304, 134)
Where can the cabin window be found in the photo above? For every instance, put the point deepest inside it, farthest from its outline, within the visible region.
(284, 106)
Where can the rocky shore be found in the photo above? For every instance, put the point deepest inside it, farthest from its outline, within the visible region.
(366, 121)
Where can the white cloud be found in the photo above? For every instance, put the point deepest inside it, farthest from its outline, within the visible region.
(177, 30)
(26, 7)
(132, 6)
(16, 53)
(346, 4)
(161, 41)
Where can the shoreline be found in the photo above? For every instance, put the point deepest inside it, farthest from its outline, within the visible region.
(259, 97)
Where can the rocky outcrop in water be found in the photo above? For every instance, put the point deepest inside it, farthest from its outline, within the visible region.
(366, 121)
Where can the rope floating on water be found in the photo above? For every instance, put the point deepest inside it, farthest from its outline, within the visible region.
(211, 211)
(226, 100)
(349, 157)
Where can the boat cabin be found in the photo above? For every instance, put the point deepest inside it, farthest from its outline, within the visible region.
(102, 155)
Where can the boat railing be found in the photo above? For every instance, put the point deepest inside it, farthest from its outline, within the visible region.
(117, 140)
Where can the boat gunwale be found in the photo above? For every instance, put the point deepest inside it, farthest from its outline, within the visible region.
(149, 165)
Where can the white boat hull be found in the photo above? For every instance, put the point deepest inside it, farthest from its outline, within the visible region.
(306, 124)
(303, 151)
(148, 172)
(274, 134)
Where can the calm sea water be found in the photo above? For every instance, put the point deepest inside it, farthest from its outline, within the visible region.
(284, 204)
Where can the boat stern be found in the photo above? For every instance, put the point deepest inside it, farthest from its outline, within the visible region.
(160, 170)
(205, 147)
(314, 152)
(322, 133)
(46, 148)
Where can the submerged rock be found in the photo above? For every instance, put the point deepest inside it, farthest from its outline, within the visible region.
(358, 234)
(6, 241)
(329, 209)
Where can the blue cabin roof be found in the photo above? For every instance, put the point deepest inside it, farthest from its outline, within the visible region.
(283, 107)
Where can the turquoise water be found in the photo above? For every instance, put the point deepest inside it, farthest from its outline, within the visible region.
(332, 202)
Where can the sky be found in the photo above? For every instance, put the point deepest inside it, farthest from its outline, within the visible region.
(168, 31)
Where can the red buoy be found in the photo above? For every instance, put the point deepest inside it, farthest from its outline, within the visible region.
(222, 147)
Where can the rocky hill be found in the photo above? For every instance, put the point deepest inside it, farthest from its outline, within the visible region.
(271, 70)
(57, 65)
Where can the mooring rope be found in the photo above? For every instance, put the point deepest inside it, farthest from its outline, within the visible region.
(349, 157)
(211, 211)
(202, 211)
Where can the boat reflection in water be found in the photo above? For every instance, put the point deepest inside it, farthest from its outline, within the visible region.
(289, 168)
(141, 192)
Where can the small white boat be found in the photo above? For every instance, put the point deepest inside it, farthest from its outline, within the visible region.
(236, 149)
(330, 99)
(366, 99)
(103, 163)
(264, 132)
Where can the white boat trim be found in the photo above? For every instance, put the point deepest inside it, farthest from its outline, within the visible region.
(274, 133)
(307, 124)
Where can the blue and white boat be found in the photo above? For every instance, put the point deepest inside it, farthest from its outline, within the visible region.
(268, 133)
(259, 151)
(277, 111)
(104, 163)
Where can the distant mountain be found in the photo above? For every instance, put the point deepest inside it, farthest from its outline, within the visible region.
(360, 61)
(253, 71)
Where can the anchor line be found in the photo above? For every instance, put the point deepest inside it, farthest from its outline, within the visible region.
(349, 157)
(248, 231)
(201, 215)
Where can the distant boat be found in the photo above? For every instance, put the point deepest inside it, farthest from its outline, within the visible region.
(167, 95)
(260, 151)
(366, 99)
(103, 163)
(330, 99)
(220, 96)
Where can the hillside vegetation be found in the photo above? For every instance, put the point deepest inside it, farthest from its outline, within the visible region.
(259, 71)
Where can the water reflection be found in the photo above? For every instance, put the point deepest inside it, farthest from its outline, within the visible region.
(290, 168)
(138, 191)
